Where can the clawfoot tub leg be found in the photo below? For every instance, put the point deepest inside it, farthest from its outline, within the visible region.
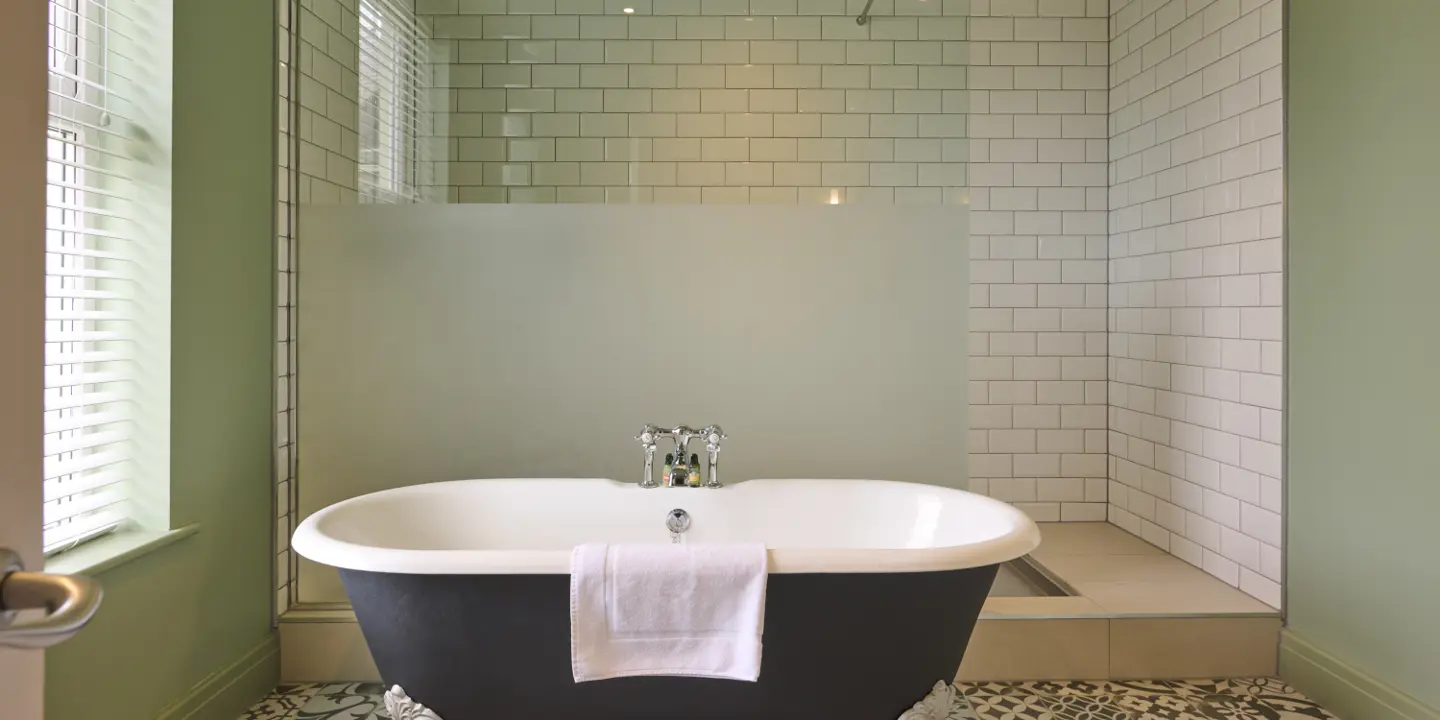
(938, 705)
(401, 707)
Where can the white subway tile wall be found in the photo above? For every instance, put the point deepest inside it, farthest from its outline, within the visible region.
(329, 113)
(793, 102)
(285, 187)
(317, 157)
(700, 101)
(1038, 193)
(1196, 286)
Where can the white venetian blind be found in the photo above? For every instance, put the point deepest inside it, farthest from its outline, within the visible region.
(393, 67)
(91, 229)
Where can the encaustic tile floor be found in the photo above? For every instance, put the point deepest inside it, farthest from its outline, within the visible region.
(1238, 699)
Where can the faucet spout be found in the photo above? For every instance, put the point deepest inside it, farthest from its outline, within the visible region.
(681, 435)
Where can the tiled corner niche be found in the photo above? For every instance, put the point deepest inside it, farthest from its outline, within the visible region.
(1196, 287)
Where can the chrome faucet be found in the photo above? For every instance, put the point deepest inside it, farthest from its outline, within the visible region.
(681, 435)
(647, 439)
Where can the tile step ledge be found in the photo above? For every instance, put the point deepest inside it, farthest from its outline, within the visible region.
(323, 643)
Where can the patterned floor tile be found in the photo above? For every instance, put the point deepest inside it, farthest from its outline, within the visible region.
(1247, 707)
(1235, 686)
(301, 691)
(1009, 703)
(1144, 688)
(268, 709)
(282, 703)
(1158, 707)
(1221, 699)
(1014, 703)
(1088, 707)
(1234, 707)
(1297, 707)
(960, 710)
(1268, 698)
(1244, 699)
(345, 701)
(1074, 687)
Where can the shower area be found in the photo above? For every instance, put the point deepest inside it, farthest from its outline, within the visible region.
(1027, 248)
(746, 119)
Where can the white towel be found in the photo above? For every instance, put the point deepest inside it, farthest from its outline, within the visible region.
(691, 610)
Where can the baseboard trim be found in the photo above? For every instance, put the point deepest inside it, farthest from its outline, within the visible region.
(1343, 689)
(325, 650)
(226, 693)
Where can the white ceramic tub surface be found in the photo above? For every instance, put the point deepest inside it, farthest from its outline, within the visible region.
(529, 526)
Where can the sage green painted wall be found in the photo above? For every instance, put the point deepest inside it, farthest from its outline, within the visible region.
(187, 611)
(1364, 336)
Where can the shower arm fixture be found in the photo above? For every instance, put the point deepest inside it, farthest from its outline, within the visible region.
(865, 14)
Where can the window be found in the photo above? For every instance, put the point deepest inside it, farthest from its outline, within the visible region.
(96, 255)
(391, 64)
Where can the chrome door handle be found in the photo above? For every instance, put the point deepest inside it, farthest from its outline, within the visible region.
(69, 601)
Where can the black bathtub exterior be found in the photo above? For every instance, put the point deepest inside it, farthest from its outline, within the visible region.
(863, 646)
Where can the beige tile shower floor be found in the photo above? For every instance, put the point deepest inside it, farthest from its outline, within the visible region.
(1240, 699)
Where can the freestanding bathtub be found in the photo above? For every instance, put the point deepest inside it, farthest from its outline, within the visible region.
(462, 591)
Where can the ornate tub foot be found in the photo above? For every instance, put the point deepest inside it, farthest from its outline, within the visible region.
(401, 707)
(940, 704)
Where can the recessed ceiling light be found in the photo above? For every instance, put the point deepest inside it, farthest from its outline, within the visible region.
(627, 11)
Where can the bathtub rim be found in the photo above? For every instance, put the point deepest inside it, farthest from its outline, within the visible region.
(313, 544)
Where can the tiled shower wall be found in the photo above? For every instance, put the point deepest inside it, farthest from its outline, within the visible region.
(702, 101)
(329, 82)
(318, 152)
(1038, 249)
(1196, 262)
(575, 101)
(782, 101)
(791, 101)
(285, 186)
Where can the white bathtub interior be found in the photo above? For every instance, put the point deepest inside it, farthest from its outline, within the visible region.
(513, 525)
(461, 341)
(544, 514)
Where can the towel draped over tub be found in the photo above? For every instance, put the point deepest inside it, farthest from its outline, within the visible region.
(687, 610)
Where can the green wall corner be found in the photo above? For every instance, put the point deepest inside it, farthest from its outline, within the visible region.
(1343, 689)
(236, 685)
(1363, 347)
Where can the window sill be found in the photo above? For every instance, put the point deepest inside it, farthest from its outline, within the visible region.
(115, 549)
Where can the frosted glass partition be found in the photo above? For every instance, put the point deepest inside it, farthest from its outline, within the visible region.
(445, 342)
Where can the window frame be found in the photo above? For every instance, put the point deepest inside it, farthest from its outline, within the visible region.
(108, 197)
